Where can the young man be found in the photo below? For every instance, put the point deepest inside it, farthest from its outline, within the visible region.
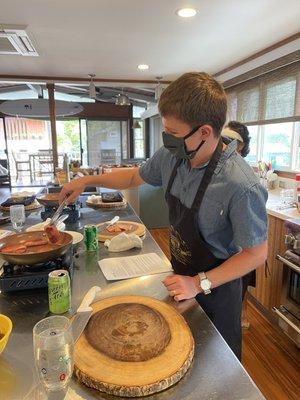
(216, 205)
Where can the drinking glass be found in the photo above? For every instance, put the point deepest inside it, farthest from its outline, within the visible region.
(17, 216)
(287, 196)
(53, 352)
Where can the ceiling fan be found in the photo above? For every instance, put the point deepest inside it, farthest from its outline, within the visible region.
(122, 99)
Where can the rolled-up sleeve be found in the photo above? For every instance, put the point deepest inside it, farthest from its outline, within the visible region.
(150, 172)
(248, 217)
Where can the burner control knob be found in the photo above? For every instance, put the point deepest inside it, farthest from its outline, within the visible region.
(289, 239)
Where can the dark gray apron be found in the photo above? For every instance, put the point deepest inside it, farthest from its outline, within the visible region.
(190, 254)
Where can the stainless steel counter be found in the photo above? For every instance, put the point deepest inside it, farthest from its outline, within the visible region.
(214, 374)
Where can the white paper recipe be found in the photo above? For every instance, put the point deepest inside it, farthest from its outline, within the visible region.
(133, 266)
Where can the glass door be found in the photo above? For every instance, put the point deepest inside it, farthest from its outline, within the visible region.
(29, 151)
(68, 140)
(104, 141)
(4, 165)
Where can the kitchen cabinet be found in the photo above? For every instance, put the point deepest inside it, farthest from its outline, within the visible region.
(269, 277)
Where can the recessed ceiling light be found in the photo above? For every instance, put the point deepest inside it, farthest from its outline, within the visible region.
(143, 67)
(186, 12)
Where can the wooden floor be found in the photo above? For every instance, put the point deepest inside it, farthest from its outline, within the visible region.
(270, 358)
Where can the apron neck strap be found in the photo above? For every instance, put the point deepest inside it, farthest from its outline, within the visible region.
(207, 177)
(172, 177)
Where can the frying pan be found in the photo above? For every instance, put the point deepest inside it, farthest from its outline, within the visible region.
(50, 199)
(35, 254)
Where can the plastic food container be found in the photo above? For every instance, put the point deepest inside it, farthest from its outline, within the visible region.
(5, 330)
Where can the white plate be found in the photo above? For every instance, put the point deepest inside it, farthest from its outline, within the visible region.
(40, 227)
(77, 237)
(4, 233)
(36, 227)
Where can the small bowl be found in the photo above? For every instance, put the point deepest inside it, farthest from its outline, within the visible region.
(5, 329)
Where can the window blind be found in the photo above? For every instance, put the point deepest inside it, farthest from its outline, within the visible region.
(271, 97)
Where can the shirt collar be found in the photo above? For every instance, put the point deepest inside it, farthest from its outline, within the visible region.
(230, 149)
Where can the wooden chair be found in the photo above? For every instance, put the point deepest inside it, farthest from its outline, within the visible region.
(44, 162)
(4, 179)
(22, 164)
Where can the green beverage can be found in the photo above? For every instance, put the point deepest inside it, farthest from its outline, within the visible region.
(59, 291)
(91, 238)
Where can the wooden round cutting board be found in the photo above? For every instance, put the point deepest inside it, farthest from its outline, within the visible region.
(133, 227)
(101, 204)
(133, 346)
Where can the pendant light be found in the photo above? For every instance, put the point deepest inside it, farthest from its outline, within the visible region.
(92, 87)
(158, 88)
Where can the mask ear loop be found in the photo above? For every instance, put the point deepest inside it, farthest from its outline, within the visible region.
(192, 153)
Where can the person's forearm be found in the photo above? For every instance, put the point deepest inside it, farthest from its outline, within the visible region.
(237, 266)
(186, 287)
(119, 179)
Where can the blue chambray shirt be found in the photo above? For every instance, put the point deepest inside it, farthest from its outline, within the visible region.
(233, 212)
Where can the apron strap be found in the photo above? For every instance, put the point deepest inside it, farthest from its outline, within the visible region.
(172, 177)
(207, 177)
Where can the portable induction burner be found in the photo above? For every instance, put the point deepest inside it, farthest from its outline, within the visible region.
(22, 277)
(73, 210)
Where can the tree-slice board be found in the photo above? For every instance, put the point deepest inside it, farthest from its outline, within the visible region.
(133, 227)
(101, 204)
(133, 346)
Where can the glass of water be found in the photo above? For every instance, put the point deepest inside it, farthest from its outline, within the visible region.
(287, 196)
(17, 217)
(53, 352)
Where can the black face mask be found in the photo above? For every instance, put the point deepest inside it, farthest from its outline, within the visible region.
(177, 146)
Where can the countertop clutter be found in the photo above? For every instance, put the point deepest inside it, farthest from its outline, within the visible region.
(276, 208)
(215, 372)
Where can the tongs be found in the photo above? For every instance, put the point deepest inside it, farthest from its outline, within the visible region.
(102, 226)
(58, 212)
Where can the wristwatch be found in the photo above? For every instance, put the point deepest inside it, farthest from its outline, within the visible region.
(204, 283)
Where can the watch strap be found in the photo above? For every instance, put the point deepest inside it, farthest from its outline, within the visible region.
(202, 277)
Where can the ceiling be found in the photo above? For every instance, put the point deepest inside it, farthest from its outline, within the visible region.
(141, 97)
(111, 37)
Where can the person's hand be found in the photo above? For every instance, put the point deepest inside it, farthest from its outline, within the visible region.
(72, 190)
(182, 287)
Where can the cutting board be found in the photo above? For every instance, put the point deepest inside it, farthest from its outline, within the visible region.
(134, 227)
(101, 204)
(133, 346)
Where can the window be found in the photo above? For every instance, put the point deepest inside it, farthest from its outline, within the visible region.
(138, 139)
(155, 133)
(252, 157)
(277, 144)
(297, 145)
(104, 141)
(68, 138)
(139, 150)
(2, 140)
(270, 107)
